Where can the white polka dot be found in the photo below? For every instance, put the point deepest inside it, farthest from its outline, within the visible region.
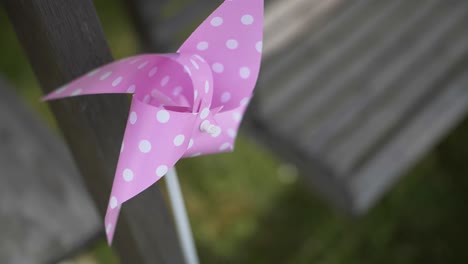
(187, 70)
(244, 101)
(134, 61)
(190, 144)
(113, 202)
(231, 133)
(232, 44)
(177, 91)
(259, 46)
(161, 170)
(215, 131)
(146, 99)
(195, 95)
(93, 72)
(196, 154)
(153, 71)
(163, 116)
(199, 57)
(76, 92)
(237, 116)
(108, 228)
(155, 93)
(131, 89)
(179, 140)
(244, 72)
(217, 67)
(105, 76)
(128, 175)
(225, 146)
(216, 21)
(207, 86)
(204, 113)
(144, 146)
(195, 64)
(165, 81)
(133, 118)
(204, 126)
(142, 65)
(247, 19)
(226, 97)
(117, 81)
(61, 89)
(202, 45)
(122, 148)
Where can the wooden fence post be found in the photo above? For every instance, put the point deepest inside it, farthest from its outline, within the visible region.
(63, 40)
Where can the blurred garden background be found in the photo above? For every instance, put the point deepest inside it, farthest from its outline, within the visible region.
(250, 207)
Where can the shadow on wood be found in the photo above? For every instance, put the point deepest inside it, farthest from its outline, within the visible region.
(45, 212)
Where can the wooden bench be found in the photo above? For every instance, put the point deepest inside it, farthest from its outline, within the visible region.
(351, 92)
(365, 92)
(45, 212)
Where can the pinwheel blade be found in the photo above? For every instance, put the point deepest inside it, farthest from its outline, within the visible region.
(230, 40)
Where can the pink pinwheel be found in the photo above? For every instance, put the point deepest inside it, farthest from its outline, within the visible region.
(184, 104)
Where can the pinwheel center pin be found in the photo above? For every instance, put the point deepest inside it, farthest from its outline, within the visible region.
(209, 128)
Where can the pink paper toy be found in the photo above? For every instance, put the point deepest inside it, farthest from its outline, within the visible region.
(184, 104)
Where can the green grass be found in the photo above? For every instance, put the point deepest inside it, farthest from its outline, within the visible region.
(248, 207)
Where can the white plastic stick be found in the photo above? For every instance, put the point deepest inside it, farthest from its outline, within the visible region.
(180, 217)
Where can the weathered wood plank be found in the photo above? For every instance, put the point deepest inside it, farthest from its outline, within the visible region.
(422, 131)
(340, 104)
(369, 74)
(64, 39)
(326, 56)
(401, 88)
(45, 212)
(346, 78)
(292, 19)
(351, 78)
(343, 14)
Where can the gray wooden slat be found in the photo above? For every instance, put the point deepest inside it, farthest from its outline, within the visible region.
(422, 132)
(389, 57)
(273, 64)
(393, 77)
(63, 40)
(371, 123)
(279, 71)
(297, 83)
(292, 19)
(359, 66)
(45, 212)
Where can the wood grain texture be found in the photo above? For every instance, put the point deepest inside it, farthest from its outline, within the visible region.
(64, 39)
(45, 212)
(446, 108)
(342, 95)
